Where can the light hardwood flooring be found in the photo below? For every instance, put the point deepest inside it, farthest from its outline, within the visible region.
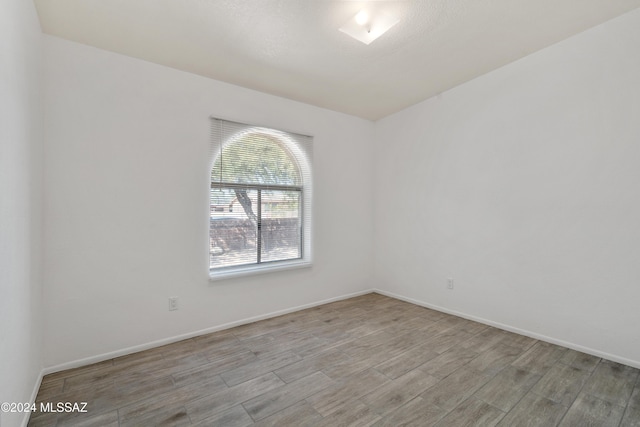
(370, 360)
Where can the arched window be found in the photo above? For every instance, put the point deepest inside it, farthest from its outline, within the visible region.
(260, 199)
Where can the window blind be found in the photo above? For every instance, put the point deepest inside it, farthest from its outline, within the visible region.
(260, 198)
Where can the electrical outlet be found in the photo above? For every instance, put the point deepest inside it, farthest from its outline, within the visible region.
(173, 303)
(450, 283)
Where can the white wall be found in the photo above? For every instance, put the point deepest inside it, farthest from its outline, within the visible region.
(524, 186)
(126, 204)
(20, 204)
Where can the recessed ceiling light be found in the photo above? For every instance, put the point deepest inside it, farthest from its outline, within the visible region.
(368, 25)
(362, 17)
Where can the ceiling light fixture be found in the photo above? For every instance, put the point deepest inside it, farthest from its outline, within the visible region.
(367, 25)
(362, 17)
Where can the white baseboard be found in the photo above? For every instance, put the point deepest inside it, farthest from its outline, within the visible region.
(593, 352)
(146, 346)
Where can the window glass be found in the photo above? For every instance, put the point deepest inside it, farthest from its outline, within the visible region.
(259, 198)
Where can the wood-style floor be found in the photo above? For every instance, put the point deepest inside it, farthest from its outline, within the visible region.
(369, 360)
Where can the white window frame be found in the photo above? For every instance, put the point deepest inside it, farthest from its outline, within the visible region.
(300, 147)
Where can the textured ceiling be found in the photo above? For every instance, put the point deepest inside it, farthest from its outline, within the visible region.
(292, 48)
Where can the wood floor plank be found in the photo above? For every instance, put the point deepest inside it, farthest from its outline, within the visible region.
(405, 362)
(484, 340)
(169, 416)
(428, 314)
(335, 337)
(580, 360)
(534, 411)
(232, 417)
(211, 371)
(174, 398)
(91, 378)
(328, 400)
(460, 324)
(415, 413)
(455, 388)
(300, 414)
(133, 391)
(210, 405)
(148, 407)
(259, 367)
(310, 365)
(494, 359)
(632, 413)
(362, 345)
(392, 347)
(179, 349)
(256, 329)
(351, 415)
(226, 352)
(448, 362)
(562, 383)
(282, 397)
(43, 419)
(397, 392)
(70, 373)
(447, 339)
(215, 339)
(472, 413)
(96, 422)
(50, 387)
(277, 343)
(612, 382)
(411, 324)
(540, 357)
(108, 419)
(519, 341)
(507, 388)
(138, 359)
(588, 410)
(100, 398)
(346, 368)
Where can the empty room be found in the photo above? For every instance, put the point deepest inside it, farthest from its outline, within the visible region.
(320, 213)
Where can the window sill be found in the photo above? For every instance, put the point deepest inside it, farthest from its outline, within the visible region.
(250, 270)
